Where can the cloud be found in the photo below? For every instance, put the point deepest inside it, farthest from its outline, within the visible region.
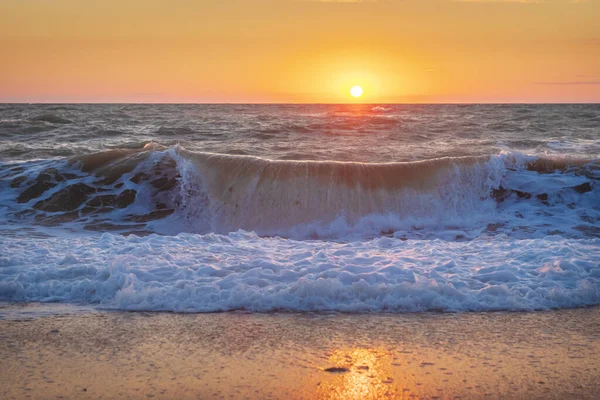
(454, 1)
(520, 1)
(569, 83)
(345, 1)
(500, 1)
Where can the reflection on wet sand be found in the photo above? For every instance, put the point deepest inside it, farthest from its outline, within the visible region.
(51, 351)
(367, 374)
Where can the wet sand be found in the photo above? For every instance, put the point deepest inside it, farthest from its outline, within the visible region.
(58, 351)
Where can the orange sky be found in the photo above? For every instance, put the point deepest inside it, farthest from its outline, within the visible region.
(299, 50)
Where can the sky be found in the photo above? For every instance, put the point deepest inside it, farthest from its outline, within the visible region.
(300, 51)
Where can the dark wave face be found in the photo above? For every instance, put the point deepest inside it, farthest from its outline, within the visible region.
(391, 208)
(174, 190)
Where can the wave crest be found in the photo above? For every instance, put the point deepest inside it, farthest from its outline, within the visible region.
(173, 190)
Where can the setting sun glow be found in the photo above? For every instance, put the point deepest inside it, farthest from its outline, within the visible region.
(356, 91)
(435, 51)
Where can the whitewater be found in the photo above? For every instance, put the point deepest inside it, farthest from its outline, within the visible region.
(193, 208)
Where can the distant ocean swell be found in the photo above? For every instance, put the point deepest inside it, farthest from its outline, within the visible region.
(172, 190)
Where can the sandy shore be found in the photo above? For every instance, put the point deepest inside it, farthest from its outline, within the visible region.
(57, 351)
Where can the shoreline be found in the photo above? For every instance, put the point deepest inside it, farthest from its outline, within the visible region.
(63, 351)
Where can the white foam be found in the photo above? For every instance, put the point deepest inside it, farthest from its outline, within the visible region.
(206, 273)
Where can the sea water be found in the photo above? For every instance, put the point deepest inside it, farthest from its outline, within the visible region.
(354, 208)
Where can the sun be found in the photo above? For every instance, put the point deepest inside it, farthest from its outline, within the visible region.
(356, 91)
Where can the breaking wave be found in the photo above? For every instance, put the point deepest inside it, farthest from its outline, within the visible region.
(203, 232)
(172, 190)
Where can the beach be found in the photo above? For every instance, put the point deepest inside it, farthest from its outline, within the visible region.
(63, 351)
(300, 199)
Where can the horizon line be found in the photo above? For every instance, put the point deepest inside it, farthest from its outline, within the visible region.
(304, 104)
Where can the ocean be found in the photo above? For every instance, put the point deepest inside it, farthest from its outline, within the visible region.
(350, 208)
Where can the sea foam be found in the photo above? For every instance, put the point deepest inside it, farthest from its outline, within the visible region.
(241, 271)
